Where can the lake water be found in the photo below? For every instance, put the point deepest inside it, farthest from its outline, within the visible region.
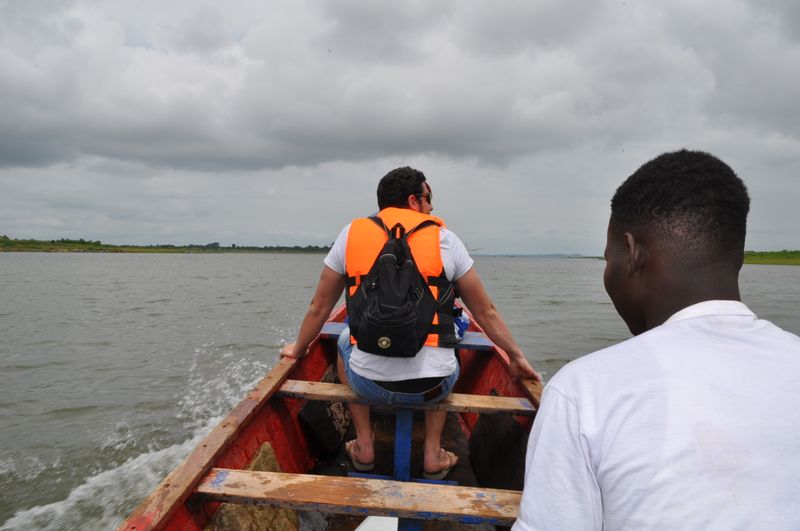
(112, 366)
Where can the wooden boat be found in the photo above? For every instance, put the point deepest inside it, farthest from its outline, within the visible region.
(276, 461)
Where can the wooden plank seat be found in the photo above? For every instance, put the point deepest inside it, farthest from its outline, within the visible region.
(471, 340)
(360, 496)
(459, 402)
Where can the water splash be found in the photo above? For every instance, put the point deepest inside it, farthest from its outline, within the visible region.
(96, 503)
(219, 376)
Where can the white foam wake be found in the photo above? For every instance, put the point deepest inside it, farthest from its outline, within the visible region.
(105, 499)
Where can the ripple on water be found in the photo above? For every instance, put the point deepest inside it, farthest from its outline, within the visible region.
(22, 367)
(67, 413)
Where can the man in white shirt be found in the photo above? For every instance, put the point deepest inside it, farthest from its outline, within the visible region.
(404, 197)
(693, 423)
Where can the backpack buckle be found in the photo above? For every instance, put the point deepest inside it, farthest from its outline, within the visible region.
(398, 232)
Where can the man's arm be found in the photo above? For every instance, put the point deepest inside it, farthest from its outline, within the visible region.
(329, 289)
(474, 295)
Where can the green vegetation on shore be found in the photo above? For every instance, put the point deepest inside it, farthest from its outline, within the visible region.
(772, 257)
(767, 257)
(85, 246)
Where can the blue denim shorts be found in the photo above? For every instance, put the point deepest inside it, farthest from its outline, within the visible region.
(375, 393)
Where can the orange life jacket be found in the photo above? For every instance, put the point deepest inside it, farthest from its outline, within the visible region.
(365, 241)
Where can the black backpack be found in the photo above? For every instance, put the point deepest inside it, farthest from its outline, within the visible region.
(392, 310)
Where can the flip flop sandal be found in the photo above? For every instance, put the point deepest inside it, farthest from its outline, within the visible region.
(358, 465)
(452, 459)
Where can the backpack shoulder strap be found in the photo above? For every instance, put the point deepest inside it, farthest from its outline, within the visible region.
(398, 231)
(379, 222)
(426, 223)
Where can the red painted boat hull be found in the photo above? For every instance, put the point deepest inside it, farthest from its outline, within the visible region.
(263, 417)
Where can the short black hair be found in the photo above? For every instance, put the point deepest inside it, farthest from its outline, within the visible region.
(397, 185)
(691, 200)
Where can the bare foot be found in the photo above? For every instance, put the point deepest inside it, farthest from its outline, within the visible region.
(363, 458)
(439, 465)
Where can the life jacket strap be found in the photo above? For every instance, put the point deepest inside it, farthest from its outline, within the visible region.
(442, 329)
(354, 281)
(439, 282)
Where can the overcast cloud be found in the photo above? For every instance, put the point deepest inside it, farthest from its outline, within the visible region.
(269, 123)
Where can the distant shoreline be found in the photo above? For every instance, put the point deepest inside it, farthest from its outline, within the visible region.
(86, 246)
(772, 257)
(768, 257)
(7, 244)
(750, 257)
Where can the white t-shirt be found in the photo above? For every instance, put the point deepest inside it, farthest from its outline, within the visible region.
(429, 361)
(694, 424)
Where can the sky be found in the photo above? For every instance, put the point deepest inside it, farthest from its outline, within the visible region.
(270, 123)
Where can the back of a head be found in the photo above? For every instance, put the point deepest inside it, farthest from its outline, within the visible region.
(691, 202)
(395, 187)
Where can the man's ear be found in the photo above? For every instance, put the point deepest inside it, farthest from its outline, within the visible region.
(414, 203)
(634, 253)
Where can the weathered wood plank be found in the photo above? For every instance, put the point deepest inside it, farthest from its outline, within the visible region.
(256, 517)
(534, 390)
(362, 496)
(454, 402)
(178, 485)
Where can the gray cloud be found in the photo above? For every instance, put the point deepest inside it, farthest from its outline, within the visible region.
(204, 31)
(512, 27)
(135, 117)
(383, 31)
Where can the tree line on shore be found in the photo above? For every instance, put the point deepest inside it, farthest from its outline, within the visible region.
(784, 257)
(96, 246)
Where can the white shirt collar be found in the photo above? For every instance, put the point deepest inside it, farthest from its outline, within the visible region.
(711, 308)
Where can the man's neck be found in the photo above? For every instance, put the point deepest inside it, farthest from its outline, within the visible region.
(681, 293)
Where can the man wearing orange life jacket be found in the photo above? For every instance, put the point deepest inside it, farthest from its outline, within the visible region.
(405, 198)
(365, 240)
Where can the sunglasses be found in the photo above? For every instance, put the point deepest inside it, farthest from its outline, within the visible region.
(428, 197)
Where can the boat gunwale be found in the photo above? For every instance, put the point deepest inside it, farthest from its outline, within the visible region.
(173, 492)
